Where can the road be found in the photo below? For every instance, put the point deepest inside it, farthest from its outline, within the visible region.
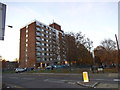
(47, 80)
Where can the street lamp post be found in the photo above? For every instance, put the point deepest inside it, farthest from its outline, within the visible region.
(2, 29)
(118, 52)
(9, 26)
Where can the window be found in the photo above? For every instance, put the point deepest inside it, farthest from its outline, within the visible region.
(38, 29)
(47, 36)
(50, 28)
(42, 39)
(42, 34)
(26, 45)
(37, 43)
(50, 49)
(26, 31)
(43, 49)
(26, 55)
(42, 25)
(26, 50)
(47, 54)
(47, 27)
(46, 44)
(38, 38)
(38, 59)
(54, 31)
(43, 44)
(26, 60)
(38, 54)
(46, 31)
(47, 40)
(50, 45)
(37, 48)
(26, 35)
(26, 40)
(43, 54)
(38, 24)
(37, 33)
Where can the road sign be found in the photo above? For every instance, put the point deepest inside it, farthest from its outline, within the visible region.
(2, 20)
(85, 77)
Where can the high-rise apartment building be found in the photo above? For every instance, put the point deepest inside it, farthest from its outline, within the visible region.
(41, 45)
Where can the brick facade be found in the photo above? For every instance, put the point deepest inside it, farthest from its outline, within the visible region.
(41, 45)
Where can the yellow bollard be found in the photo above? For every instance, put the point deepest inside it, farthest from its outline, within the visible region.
(85, 77)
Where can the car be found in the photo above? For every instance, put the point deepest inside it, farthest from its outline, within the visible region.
(101, 69)
(97, 69)
(17, 70)
(94, 68)
(65, 65)
(49, 67)
(29, 68)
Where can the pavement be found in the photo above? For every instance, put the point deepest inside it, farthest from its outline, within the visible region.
(94, 84)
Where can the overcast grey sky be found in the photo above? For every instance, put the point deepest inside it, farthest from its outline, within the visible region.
(97, 20)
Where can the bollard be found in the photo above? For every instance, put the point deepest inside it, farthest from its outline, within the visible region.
(85, 77)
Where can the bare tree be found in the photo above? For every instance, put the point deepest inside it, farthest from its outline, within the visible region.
(80, 39)
(108, 44)
(106, 52)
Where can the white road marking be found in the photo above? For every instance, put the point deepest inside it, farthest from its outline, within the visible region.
(99, 79)
(116, 80)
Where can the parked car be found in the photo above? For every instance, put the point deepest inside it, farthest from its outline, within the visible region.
(49, 67)
(96, 69)
(29, 68)
(61, 66)
(17, 70)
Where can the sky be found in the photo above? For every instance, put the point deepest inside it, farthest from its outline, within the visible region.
(97, 20)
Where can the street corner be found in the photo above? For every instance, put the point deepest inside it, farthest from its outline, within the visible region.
(106, 85)
(91, 84)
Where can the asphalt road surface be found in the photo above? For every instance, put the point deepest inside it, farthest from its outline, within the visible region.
(36, 80)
